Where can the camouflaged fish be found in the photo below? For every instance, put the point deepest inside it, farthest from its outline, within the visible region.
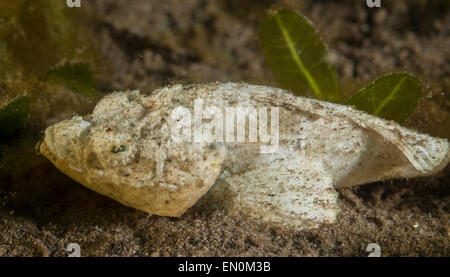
(127, 149)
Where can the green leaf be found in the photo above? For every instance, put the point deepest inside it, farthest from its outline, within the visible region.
(77, 77)
(13, 116)
(394, 96)
(298, 57)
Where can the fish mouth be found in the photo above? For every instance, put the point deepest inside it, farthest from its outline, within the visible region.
(46, 152)
(47, 146)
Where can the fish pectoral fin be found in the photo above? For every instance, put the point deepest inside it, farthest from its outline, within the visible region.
(292, 192)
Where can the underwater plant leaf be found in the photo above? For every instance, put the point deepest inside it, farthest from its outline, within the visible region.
(13, 116)
(393, 96)
(298, 57)
(76, 76)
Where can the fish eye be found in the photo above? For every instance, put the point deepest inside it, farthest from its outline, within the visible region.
(110, 149)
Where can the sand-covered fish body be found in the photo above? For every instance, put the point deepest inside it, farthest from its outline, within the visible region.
(131, 149)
